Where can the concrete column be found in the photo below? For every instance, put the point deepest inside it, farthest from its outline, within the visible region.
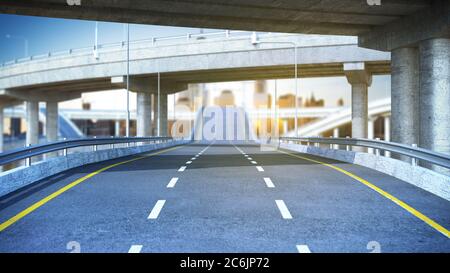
(117, 128)
(360, 79)
(336, 135)
(336, 132)
(405, 96)
(434, 96)
(387, 128)
(51, 121)
(1, 128)
(32, 116)
(144, 114)
(359, 110)
(163, 122)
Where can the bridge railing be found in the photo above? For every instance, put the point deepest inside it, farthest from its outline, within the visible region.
(413, 152)
(64, 146)
(120, 45)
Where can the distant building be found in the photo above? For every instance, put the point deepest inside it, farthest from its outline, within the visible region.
(313, 102)
(226, 98)
(261, 99)
(185, 101)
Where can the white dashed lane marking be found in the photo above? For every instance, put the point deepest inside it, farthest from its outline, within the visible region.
(259, 168)
(254, 162)
(283, 209)
(303, 249)
(156, 209)
(172, 182)
(189, 162)
(135, 249)
(181, 169)
(269, 182)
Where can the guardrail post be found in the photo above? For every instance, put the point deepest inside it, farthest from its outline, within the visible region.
(331, 145)
(65, 150)
(413, 160)
(95, 146)
(347, 147)
(28, 159)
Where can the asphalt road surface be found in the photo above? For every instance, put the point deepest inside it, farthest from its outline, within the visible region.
(221, 198)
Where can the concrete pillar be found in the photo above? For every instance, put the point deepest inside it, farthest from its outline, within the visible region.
(32, 117)
(336, 135)
(161, 115)
(336, 132)
(434, 97)
(360, 79)
(1, 128)
(144, 114)
(387, 128)
(117, 128)
(163, 121)
(405, 96)
(51, 121)
(359, 110)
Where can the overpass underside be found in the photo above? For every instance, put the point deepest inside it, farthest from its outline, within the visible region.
(222, 198)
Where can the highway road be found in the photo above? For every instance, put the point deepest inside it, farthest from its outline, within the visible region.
(223, 198)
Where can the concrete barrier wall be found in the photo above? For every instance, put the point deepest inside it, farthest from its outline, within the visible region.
(423, 178)
(20, 177)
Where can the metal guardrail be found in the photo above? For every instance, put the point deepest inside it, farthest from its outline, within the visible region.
(32, 151)
(413, 152)
(118, 45)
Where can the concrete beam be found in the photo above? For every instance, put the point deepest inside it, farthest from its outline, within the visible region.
(149, 84)
(430, 23)
(29, 95)
(348, 17)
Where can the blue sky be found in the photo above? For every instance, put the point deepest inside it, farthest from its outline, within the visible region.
(49, 34)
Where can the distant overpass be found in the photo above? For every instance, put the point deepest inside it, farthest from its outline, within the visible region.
(341, 117)
(217, 57)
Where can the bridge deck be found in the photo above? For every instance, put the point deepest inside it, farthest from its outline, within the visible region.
(222, 203)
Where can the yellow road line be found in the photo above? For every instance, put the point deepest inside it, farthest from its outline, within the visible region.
(385, 194)
(43, 201)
